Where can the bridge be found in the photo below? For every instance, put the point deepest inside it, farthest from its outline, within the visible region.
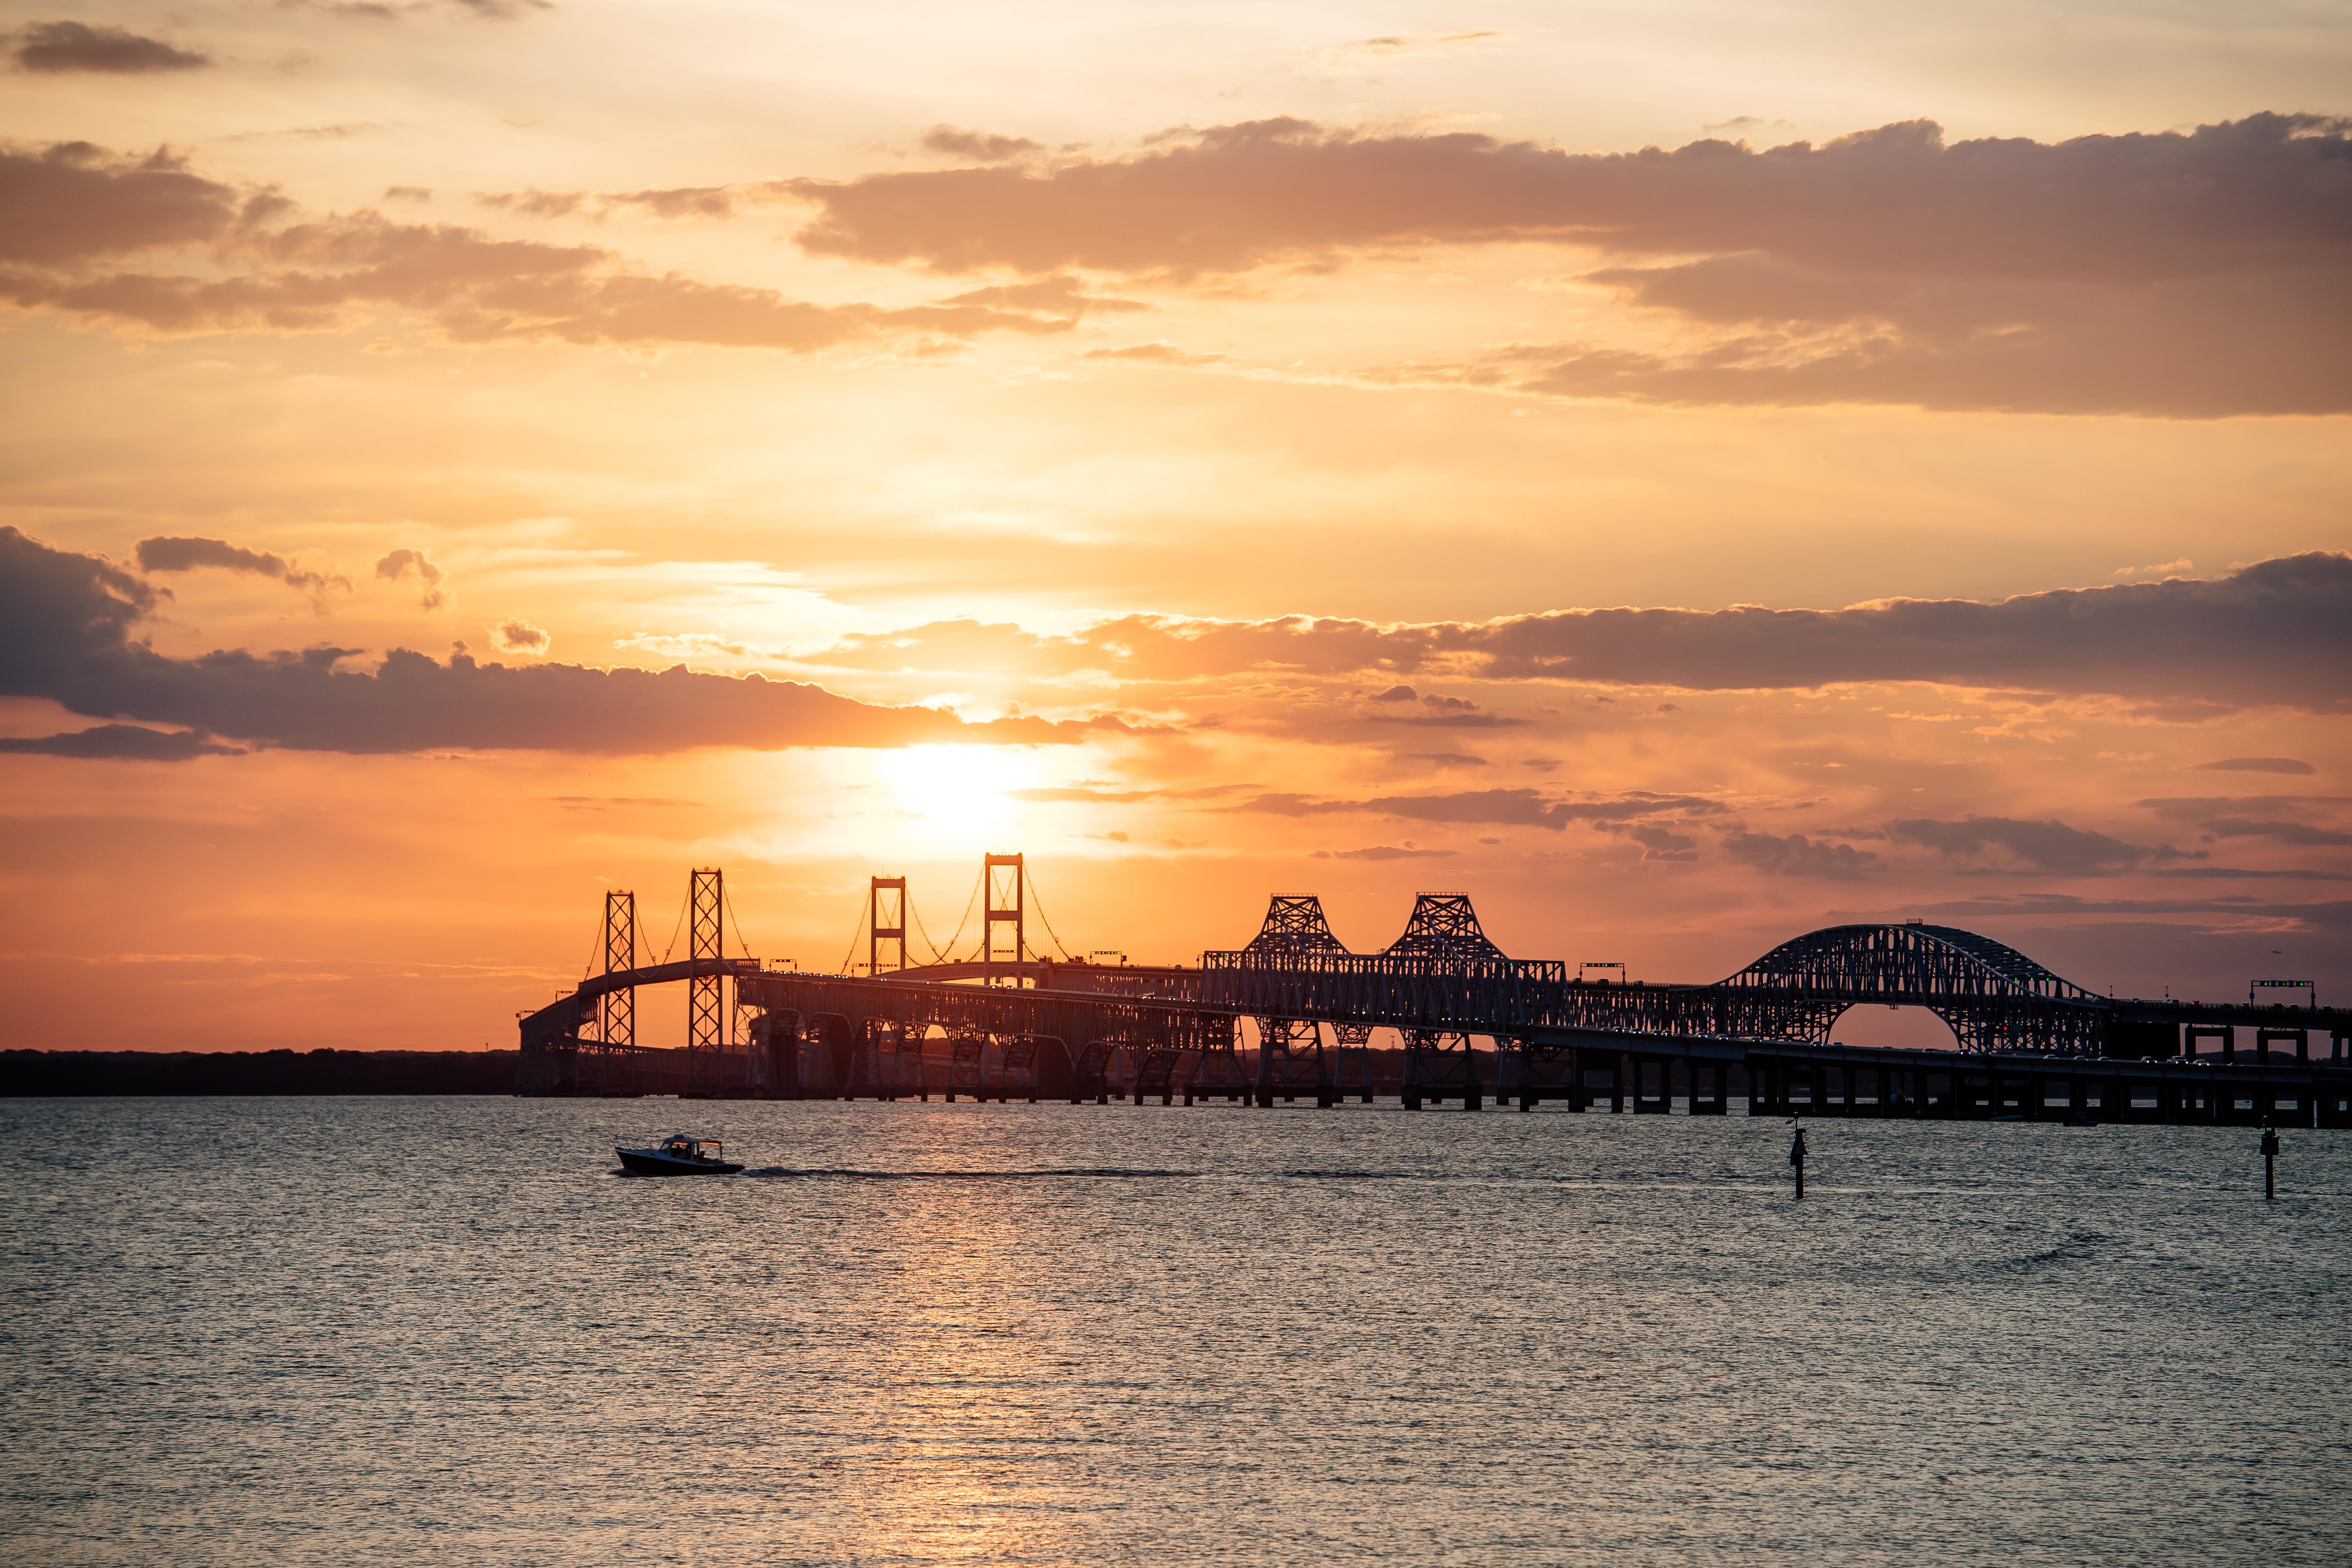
(1292, 1013)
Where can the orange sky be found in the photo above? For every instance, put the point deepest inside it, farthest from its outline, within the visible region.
(1685, 475)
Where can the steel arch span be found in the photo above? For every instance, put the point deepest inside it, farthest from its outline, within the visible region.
(1993, 998)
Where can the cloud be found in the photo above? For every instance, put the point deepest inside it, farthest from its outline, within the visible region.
(1884, 267)
(978, 146)
(2229, 347)
(1440, 711)
(2161, 569)
(69, 212)
(67, 622)
(670, 202)
(2249, 816)
(1448, 720)
(2257, 765)
(1393, 45)
(2050, 846)
(404, 563)
(393, 10)
(1797, 855)
(1382, 852)
(124, 742)
(1157, 352)
(2335, 916)
(71, 202)
(59, 46)
(1095, 794)
(519, 636)
(680, 201)
(165, 553)
(2301, 834)
(337, 132)
(1511, 807)
(2275, 633)
(536, 203)
(1062, 296)
(1895, 200)
(1364, 54)
(1660, 843)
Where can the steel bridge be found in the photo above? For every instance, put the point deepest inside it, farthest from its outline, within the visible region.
(1292, 1013)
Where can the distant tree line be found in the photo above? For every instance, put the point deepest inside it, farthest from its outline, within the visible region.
(25, 1074)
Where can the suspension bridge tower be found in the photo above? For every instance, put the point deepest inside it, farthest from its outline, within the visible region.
(1005, 891)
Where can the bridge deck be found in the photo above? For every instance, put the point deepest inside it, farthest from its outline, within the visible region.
(1039, 1021)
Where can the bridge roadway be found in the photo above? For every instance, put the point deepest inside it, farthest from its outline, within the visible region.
(1040, 1029)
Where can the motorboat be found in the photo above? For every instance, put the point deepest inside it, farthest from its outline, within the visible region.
(679, 1155)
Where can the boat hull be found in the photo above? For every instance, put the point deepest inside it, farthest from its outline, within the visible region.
(647, 1163)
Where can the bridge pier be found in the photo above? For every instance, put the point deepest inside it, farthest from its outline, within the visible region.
(2191, 1034)
(1438, 1062)
(1591, 1062)
(2264, 1039)
(1718, 1076)
(1289, 1061)
(1352, 1046)
(1645, 1103)
(966, 1064)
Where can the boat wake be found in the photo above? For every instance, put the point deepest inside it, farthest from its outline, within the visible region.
(1046, 1173)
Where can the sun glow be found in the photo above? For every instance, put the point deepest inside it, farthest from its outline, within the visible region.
(959, 795)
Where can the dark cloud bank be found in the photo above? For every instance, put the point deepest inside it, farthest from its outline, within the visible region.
(2275, 633)
(122, 742)
(73, 216)
(57, 48)
(2278, 633)
(189, 554)
(67, 625)
(2197, 274)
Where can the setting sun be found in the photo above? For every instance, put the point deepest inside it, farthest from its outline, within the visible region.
(959, 796)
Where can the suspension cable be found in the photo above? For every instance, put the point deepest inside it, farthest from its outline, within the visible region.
(645, 937)
(729, 899)
(1043, 920)
(937, 956)
(589, 967)
(851, 956)
(682, 907)
(967, 915)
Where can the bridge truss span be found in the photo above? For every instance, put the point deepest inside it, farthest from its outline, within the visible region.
(1993, 998)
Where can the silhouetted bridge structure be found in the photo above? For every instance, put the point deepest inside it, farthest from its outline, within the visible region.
(1292, 1015)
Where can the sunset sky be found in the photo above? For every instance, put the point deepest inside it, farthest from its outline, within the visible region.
(1685, 474)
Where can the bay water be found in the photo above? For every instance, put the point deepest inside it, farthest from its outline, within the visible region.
(383, 1331)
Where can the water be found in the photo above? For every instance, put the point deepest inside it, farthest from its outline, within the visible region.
(443, 1332)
